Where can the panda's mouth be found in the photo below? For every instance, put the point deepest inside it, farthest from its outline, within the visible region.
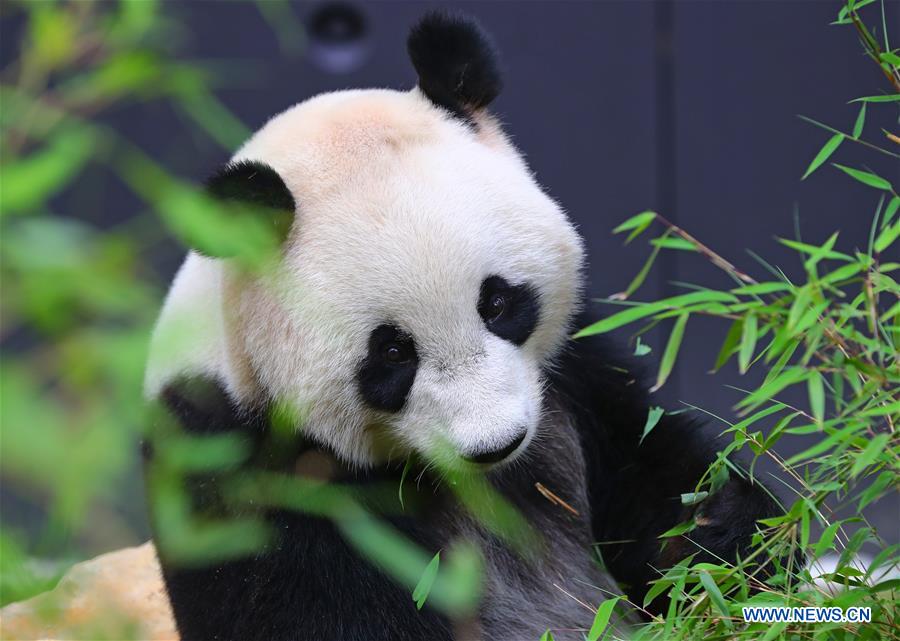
(498, 455)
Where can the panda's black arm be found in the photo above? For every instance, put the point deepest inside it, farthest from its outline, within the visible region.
(305, 583)
(635, 487)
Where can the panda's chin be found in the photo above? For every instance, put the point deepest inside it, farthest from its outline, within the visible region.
(383, 447)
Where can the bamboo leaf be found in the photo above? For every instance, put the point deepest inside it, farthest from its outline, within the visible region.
(827, 538)
(676, 596)
(883, 410)
(777, 431)
(681, 528)
(659, 586)
(799, 306)
(787, 352)
(748, 342)
(671, 352)
(758, 416)
(860, 121)
(816, 392)
(890, 210)
(643, 310)
(653, 417)
(841, 436)
(773, 631)
(692, 498)
(843, 14)
(886, 98)
(824, 154)
(731, 342)
(887, 237)
(637, 224)
(843, 273)
(824, 251)
(890, 313)
(804, 528)
(618, 320)
(641, 276)
(601, 619)
(762, 288)
(865, 177)
(423, 587)
(673, 243)
(874, 491)
(641, 348)
(636, 221)
(715, 595)
(868, 455)
(788, 377)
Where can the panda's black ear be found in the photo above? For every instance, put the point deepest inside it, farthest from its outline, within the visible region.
(456, 62)
(254, 183)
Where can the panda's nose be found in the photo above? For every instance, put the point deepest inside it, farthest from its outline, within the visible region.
(497, 455)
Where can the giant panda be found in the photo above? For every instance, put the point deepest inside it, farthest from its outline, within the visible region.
(421, 305)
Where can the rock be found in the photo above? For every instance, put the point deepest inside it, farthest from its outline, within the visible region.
(119, 595)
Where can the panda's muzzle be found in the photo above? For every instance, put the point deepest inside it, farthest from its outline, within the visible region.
(495, 456)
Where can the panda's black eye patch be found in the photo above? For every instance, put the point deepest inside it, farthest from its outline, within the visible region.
(387, 373)
(509, 311)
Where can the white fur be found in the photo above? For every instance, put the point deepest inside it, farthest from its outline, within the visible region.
(402, 212)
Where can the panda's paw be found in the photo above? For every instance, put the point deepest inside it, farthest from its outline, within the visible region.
(726, 520)
(724, 524)
(200, 405)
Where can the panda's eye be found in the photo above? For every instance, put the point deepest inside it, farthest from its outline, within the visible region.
(495, 307)
(508, 311)
(386, 374)
(396, 354)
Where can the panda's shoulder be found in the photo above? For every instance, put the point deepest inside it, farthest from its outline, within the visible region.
(595, 377)
(604, 391)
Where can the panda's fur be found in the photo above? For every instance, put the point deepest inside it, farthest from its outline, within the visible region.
(407, 213)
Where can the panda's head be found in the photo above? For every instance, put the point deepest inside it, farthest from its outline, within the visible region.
(425, 281)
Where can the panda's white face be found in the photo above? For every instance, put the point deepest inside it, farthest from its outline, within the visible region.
(426, 282)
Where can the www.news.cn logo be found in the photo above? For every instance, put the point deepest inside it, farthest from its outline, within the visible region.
(770, 614)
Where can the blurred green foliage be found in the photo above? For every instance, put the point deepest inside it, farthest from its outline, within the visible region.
(79, 302)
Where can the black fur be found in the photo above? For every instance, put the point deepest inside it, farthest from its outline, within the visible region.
(382, 384)
(520, 315)
(635, 487)
(456, 63)
(255, 183)
(307, 582)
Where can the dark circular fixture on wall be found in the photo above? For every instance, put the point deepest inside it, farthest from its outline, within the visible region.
(338, 36)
